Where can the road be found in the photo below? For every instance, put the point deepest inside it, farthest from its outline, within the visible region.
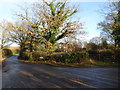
(17, 74)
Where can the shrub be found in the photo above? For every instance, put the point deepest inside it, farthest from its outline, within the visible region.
(105, 55)
(117, 55)
(7, 52)
(93, 54)
(36, 55)
(33, 55)
(71, 57)
(25, 56)
(91, 46)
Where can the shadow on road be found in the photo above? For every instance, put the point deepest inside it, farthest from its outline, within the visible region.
(26, 75)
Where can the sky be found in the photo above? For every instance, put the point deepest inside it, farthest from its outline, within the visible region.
(88, 13)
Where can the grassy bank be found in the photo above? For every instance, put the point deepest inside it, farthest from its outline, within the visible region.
(86, 63)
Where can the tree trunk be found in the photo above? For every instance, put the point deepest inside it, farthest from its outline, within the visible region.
(22, 49)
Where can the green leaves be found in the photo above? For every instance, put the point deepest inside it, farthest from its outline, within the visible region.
(55, 18)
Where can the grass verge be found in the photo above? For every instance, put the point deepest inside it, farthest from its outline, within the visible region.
(86, 63)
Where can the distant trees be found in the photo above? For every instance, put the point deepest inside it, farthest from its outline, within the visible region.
(97, 43)
(111, 24)
(91, 46)
(96, 40)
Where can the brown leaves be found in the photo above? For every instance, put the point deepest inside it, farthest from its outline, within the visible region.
(48, 44)
(29, 32)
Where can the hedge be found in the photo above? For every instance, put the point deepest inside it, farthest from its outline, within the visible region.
(75, 57)
(6, 52)
(71, 57)
(105, 55)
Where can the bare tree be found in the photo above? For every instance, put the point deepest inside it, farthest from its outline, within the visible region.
(5, 41)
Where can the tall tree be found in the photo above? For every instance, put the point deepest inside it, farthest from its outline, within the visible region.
(56, 23)
(111, 24)
(47, 23)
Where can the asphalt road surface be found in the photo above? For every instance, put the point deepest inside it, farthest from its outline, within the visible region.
(17, 74)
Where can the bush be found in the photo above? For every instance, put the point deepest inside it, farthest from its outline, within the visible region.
(71, 57)
(117, 55)
(93, 54)
(6, 52)
(36, 55)
(105, 55)
(33, 55)
(24, 55)
(91, 46)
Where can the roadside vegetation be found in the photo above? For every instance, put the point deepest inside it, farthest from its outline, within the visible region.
(7, 52)
(46, 34)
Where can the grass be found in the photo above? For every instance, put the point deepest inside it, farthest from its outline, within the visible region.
(103, 63)
(86, 63)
